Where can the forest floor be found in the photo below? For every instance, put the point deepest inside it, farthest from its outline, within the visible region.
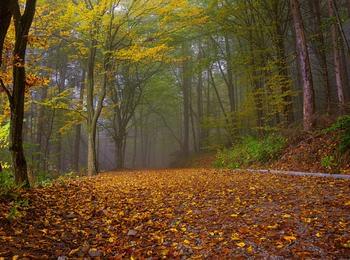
(303, 153)
(190, 213)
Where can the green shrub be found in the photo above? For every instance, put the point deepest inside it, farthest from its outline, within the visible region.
(43, 178)
(343, 124)
(328, 162)
(251, 150)
(17, 209)
(7, 181)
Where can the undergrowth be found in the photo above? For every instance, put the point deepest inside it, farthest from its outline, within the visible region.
(251, 150)
(343, 125)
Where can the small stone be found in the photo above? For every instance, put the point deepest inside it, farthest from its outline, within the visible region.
(93, 252)
(85, 248)
(71, 215)
(132, 232)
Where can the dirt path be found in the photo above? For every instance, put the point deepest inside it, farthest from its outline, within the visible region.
(193, 213)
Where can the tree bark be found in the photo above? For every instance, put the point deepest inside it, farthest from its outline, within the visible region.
(230, 85)
(91, 121)
(200, 108)
(336, 42)
(5, 21)
(321, 50)
(303, 53)
(76, 162)
(120, 152)
(22, 26)
(186, 84)
(288, 112)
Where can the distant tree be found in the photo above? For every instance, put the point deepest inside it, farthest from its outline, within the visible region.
(303, 53)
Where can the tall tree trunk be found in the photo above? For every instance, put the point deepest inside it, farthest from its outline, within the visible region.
(22, 26)
(92, 165)
(303, 53)
(201, 134)
(40, 132)
(5, 21)
(120, 152)
(321, 50)
(186, 85)
(61, 86)
(76, 161)
(336, 42)
(230, 85)
(91, 122)
(134, 155)
(288, 112)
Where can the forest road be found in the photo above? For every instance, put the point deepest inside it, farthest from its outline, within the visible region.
(180, 213)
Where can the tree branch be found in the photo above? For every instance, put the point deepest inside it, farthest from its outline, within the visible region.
(7, 91)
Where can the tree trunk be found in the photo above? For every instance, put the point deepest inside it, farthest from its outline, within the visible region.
(336, 42)
(77, 138)
(308, 89)
(5, 20)
(40, 132)
(120, 152)
(186, 85)
(91, 123)
(22, 26)
(230, 85)
(92, 166)
(321, 50)
(201, 134)
(288, 112)
(134, 155)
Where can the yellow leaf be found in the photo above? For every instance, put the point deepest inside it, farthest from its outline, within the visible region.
(235, 237)
(273, 226)
(318, 234)
(289, 238)
(347, 203)
(240, 244)
(164, 252)
(187, 242)
(279, 245)
(286, 216)
(250, 249)
(234, 215)
(347, 244)
(307, 220)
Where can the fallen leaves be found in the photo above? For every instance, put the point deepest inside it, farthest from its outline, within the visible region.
(240, 244)
(289, 238)
(193, 213)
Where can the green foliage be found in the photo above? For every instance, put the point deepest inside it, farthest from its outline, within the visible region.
(342, 124)
(43, 179)
(251, 150)
(16, 210)
(4, 153)
(7, 181)
(328, 162)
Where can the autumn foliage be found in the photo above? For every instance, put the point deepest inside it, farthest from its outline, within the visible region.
(193, 213)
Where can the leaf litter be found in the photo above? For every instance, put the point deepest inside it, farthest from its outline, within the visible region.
(182, 213)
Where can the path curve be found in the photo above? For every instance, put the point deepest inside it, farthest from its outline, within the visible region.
(297, 173)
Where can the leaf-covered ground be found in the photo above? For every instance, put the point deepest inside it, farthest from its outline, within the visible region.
(192, 213)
